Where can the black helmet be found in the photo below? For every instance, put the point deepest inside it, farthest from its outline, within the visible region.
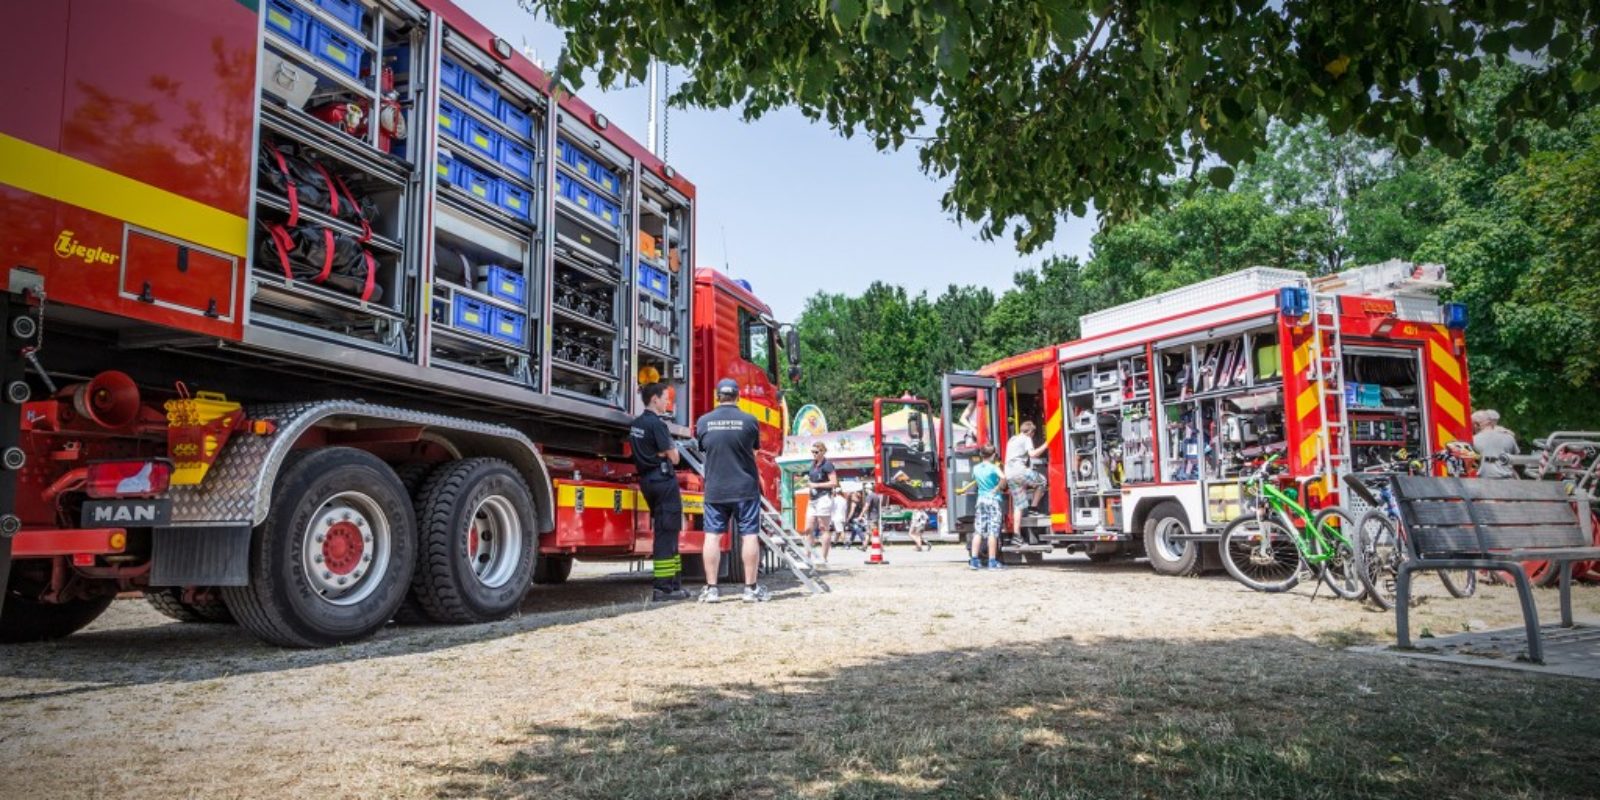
(727, 388)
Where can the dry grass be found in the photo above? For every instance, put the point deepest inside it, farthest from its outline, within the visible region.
(915, 680)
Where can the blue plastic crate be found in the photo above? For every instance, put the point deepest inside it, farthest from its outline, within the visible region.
(514, 199)
(451, 74)
(335, 49)
(507, 325)
(479, 92)
(470, 315)
(610, 213)
(605, 178)
(506, 284)
(519, 121)
(350, 12)
(478, 183)
(655, 281)
(566, 187)
(288, 19)
(449, 169)
(451, 120)
(516, 157)
(566, 152)
(480, 137)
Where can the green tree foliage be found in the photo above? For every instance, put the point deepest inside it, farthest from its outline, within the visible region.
(1035, 108)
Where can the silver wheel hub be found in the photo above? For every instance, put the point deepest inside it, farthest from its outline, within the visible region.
(494, 541)
(346, 548)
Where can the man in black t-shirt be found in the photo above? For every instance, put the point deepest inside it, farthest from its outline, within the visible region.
(729, 438)
(655, 456)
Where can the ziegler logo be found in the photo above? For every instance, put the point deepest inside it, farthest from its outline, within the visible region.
(67, 246)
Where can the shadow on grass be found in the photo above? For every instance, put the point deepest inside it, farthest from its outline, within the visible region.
(1267, 717)
(173, 652)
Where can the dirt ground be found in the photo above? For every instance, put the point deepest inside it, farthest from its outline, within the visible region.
(915, 679)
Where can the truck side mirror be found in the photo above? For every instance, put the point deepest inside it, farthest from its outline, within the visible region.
(791, 348)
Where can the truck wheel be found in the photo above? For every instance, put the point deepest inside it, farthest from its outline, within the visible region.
(1166, 556)
(552, 569)
(170, 602)
(475, 520)
(25, 619)
(335, 556)
(412, 474)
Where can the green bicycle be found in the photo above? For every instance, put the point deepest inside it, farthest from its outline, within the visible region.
(1268, 550)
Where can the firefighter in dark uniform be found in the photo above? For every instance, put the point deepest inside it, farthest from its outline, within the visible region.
(655, 456)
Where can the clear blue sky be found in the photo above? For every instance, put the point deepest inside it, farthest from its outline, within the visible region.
(802, 208)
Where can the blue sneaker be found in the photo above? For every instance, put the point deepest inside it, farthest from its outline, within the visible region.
(973, 563)
(993, 564)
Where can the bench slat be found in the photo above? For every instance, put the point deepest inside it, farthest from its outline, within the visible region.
(1553, 553)
(1464, 538)
(1416, 487)
(1450, 512)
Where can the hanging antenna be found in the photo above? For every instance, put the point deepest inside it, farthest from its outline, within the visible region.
(727, 266)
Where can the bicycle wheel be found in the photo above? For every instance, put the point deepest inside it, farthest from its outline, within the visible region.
(1459, 582)
(1261, 554)
(1342, 569)
(1381, 555)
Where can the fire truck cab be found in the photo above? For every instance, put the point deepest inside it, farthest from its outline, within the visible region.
(1155, 413)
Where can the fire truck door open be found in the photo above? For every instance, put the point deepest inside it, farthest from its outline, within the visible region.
(968, 423)
(907, 456)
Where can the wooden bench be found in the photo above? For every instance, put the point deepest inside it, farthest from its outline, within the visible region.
(1476, 523)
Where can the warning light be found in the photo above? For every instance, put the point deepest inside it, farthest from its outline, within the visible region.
(1455, 316)
(117, 541)
(1294, 301)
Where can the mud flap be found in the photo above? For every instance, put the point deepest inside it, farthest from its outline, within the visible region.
(19, 332)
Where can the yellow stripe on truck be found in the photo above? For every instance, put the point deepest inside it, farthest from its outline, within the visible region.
(1052, 426)
(766, 415)
(48, 173)
(1442, 359)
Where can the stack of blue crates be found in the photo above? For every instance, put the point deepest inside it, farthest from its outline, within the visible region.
(514, 154)
(326, 45)
(505, 284)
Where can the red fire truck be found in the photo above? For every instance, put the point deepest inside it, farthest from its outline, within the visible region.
(319, 309)
(1152, 417)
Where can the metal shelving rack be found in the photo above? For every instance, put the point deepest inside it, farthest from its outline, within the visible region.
(303, 306)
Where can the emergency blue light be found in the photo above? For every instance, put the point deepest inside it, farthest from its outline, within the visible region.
(1294, 301)
(744, 284)
(1455, 316)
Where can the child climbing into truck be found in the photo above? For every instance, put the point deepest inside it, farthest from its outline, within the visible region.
(990, 482)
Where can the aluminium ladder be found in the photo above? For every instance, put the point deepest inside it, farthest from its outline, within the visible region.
(779, 540)
(1328, 371)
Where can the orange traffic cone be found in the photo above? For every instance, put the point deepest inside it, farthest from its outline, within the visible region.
(875, 548)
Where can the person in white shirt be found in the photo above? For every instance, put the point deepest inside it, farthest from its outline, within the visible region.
(1027, 485)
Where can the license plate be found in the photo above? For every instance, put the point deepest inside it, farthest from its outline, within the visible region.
(126, 513)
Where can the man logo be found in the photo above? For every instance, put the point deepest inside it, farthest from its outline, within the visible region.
(142, 513)
(132, 513)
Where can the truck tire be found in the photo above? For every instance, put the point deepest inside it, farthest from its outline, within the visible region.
(25, 619)
(335, 556)
(550, 569)
(170, 603)
(412, 474)
(1168, 557)
(477, 534)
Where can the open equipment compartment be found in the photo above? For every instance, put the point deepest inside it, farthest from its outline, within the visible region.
(1383, 389)
(333, 188)
(662, 285)
(591, 208)
(488, 284)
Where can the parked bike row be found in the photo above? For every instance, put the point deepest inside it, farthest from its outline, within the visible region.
(1357, 546)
